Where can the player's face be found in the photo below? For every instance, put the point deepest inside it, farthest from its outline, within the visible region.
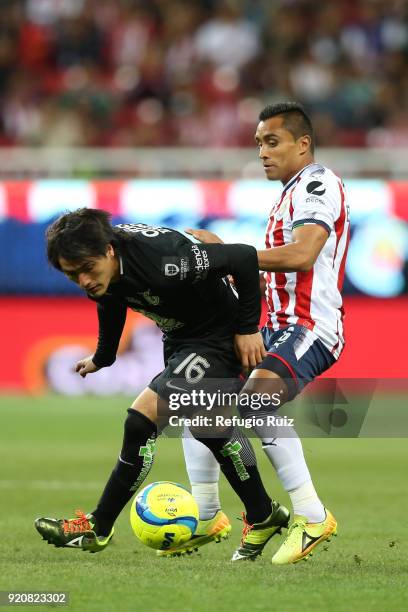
(282, 156)
(92, 274)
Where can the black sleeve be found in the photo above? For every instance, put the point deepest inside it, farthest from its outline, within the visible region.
(197, 262)
(111, 317)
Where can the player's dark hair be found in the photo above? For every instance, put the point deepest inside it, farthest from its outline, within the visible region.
(295, 119)
(78, 235)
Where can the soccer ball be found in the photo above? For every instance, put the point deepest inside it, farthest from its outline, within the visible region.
(163, 515)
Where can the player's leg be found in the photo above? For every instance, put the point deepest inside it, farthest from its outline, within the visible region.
(284, 449)
(94, 531)
(285, 371)
(237, 459)
(231, 449)
(263, 516)
(134, 462)
(203, 472)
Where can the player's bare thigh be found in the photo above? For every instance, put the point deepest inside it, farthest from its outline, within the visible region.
(146, 403)
(265, 381)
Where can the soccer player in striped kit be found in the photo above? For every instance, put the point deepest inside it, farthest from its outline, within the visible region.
(307, 238)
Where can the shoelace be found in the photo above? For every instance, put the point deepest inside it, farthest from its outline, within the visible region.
(246, 528)
(78, 525)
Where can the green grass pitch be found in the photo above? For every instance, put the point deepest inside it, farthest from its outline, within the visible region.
(56, 453)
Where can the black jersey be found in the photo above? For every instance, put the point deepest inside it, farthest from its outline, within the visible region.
(180, 285)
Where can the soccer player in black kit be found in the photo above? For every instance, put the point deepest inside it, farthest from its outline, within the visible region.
(181, 286)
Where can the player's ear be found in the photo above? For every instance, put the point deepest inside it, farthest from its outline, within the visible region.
(110, 252)
(304, 144)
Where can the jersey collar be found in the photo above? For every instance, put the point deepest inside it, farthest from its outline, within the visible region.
(293, 180)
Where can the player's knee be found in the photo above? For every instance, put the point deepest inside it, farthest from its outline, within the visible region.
(146, 403)
(264, 391)
(139, 437)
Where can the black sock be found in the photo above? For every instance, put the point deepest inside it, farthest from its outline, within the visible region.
(238, 464)
(135, 461)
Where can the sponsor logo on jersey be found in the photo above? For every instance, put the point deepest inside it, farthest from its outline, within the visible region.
(202, 262)
(171, 269)
(316, 188)
(314, 200)
(318, 172)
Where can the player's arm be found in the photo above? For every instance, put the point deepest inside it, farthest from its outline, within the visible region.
(240, 261)
(298, 256)
(210, 238)
(242, 266)
(178, 260)
(217, 261)
(111, 319)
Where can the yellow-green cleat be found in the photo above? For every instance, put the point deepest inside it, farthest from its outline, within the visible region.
(303, 537)
(73, 533)
(213, 530)
(256, 536)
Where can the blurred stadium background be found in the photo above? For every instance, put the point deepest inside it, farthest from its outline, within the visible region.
(147, 109)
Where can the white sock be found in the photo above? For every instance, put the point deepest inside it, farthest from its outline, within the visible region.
(207, 498)
(286, 456)
(306, 503)
(203, 471)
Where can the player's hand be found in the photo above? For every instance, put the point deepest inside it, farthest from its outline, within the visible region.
(204, 236)
(86, 366)
(250, 349)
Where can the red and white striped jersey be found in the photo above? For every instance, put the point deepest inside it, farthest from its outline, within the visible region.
(313, 298)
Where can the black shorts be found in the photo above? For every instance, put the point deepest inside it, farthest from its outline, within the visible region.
(197, 364)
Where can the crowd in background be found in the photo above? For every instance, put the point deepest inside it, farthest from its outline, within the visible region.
(129, 73)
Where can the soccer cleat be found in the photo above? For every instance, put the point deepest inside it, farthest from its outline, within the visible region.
(303, 537)
(256, 536)
(212, 530)
(73, 533)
